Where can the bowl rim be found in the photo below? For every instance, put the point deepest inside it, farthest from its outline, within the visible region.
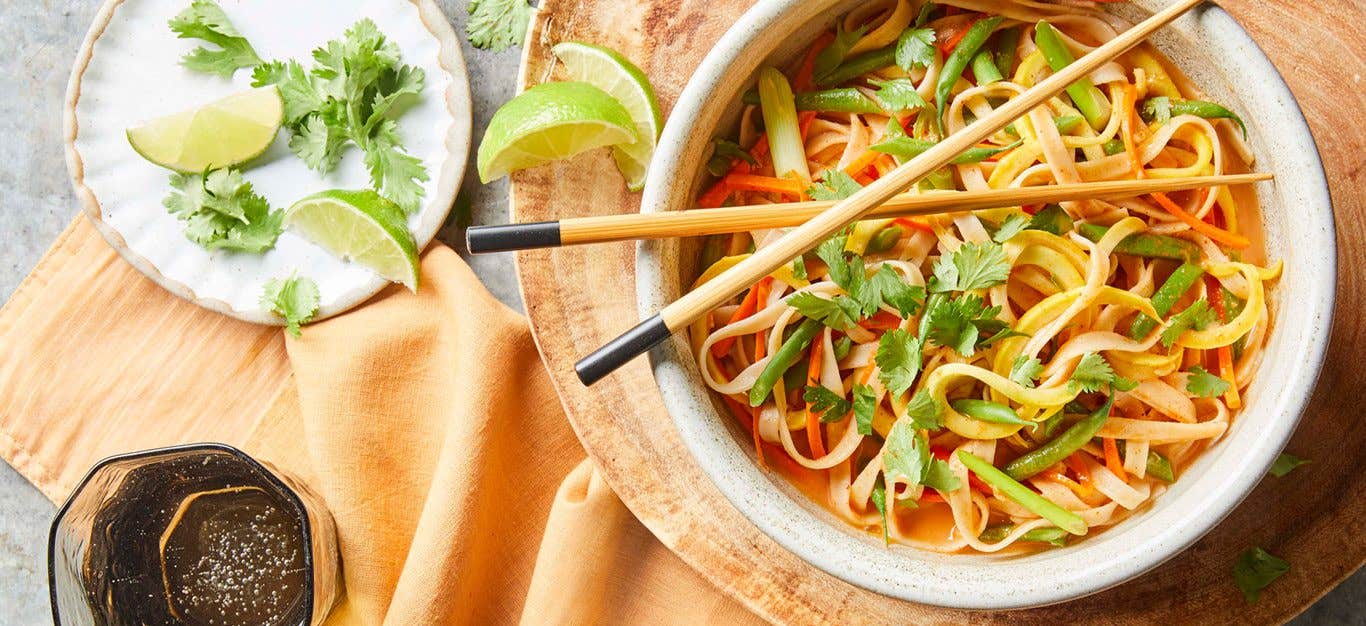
(853, 559)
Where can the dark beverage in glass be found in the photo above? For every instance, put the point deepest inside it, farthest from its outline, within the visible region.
(191, 535)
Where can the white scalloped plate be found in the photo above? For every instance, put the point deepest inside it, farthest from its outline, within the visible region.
(128, 71)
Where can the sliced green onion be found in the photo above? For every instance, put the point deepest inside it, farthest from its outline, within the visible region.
(1089, 100)
(780, 121)
(1047, 534)
(1022, 495)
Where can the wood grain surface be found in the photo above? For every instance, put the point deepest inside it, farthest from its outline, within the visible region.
(580, 297)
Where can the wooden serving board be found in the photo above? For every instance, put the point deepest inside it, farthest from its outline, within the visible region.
(579, 298)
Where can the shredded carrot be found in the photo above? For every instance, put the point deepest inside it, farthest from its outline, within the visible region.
(802, 80)
(767, 184)
(1224, 354)
(813, 377)
(1112, 461)
(1032, 209)
(717, 195)
(748, 306)
(804, 120)
(1233, 240)
(949, 42)
(881, 321)
(914, 224)
(930, 496)
(857, 166)
(1074, 462)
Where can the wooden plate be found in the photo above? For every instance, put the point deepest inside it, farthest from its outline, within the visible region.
(578, 298)
(128, 71)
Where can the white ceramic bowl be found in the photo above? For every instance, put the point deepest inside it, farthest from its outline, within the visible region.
(1218, 54)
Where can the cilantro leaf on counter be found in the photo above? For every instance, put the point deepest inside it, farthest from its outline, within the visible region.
(498, 24)
(1286, 463)
(222, 211)
(294, 298)
(1255, 569)
(206, 21)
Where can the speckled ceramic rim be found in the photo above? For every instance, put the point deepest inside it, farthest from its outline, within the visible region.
(1216, 482)
(457, 98)
(268, 475)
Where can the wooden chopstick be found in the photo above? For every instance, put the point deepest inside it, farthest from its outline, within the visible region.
(607, 228)
(696, 303)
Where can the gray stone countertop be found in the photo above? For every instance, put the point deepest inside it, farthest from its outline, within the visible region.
(38, 202)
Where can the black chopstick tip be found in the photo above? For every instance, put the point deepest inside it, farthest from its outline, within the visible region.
(506, 237)
(621, 350)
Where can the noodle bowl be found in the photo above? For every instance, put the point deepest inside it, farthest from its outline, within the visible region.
(1088, 354)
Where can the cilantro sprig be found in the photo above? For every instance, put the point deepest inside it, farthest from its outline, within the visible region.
(294, 298)
(1197, 316)
(206, 21)
(497, 24)
(972, 266)
(1093, 372)
(222, 211)
(1203, 384)
(908, 455)
(349, 97)
(898, 360)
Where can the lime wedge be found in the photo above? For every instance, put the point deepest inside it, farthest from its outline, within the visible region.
(607, 70)
(223, 133)
(361, 226)
(549, 122)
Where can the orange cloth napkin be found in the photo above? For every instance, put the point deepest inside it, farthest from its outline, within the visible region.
(426, 421)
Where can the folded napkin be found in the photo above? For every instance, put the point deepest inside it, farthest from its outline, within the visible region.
(426, 421)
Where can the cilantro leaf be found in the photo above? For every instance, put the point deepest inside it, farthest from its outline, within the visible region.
(294, 298)
(898, 94)
(907, 453)
(839, 313)
(799, 268)
(295, 84)
(833, 185)
(1194, 317)
(940, 477)
(879, 498)
(1013, 225)
(724, 152)
(924, 412)
(206, 21)
(222, 211)
(828, 405)
(1255, 569)
(915, 46)
(905, 298)
(1093, 372)
(393, 172)
(1204, 384)
(1025, 370)
(972, 266)
(865, 405)
(497, 24)
(898, 360)
(833, 55)
(958, 324)
(1286, 463)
